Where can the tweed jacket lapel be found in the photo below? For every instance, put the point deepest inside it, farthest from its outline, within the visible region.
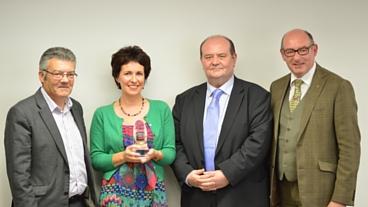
(50, 123)
(311, 98)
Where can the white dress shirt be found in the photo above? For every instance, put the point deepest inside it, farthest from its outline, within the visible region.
(227, 87)
(73, 144)
(307, 81)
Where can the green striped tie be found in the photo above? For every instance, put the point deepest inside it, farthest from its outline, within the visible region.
(297, 94)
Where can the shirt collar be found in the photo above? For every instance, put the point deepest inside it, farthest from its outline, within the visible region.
(307, 78)
(52, 105)
(226, 87)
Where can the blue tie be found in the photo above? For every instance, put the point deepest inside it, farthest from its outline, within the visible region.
(210, 130)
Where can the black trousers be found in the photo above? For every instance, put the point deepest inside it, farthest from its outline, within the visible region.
(77, 201)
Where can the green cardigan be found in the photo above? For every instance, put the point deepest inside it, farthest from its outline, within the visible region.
(106, 137)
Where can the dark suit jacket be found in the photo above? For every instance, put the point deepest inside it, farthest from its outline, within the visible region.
(242, 147)
(36, 160)
(328, 146)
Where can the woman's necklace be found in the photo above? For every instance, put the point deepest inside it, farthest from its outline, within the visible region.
(128, 114)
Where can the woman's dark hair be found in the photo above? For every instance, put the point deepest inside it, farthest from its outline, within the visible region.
(126, 55)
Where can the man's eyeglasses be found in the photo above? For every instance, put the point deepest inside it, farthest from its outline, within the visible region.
(301, 51)
(58, 75)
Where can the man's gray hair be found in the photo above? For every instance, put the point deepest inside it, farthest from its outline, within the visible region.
(60, 53)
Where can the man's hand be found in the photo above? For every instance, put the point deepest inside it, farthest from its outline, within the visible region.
(207, 181)
(218, 178)
(335, 204)
(196, 178)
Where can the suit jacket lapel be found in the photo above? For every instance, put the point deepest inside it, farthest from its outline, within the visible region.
(235, 101)
(79, 122)
(311, 98)
(50, 123)
(78, 118)
(199, 104)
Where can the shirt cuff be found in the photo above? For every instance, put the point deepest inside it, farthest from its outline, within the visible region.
(186, 181)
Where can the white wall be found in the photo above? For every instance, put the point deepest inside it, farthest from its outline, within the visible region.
(170, 32)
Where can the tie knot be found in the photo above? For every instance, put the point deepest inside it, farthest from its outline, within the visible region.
(216, 94)
(298, 82)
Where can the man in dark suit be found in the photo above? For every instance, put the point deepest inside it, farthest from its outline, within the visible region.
(45, 141)
(316, 145)
(221, 159)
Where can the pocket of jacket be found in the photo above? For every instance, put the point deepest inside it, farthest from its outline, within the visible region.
(327, 166)
(40, 190)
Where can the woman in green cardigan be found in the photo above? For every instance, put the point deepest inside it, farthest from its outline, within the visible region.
(132, 139)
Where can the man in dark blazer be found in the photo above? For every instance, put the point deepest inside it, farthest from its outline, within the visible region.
(47, 159)
(316, 145)
(242, 139)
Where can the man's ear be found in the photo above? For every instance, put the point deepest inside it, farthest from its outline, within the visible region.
(41, 76)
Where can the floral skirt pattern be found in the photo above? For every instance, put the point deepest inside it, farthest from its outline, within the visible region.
(123, 191)
(134, 184)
